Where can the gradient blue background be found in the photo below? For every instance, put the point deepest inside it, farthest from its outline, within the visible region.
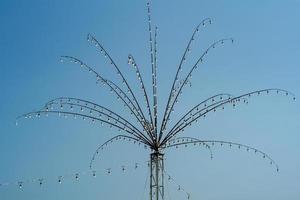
(265, 54)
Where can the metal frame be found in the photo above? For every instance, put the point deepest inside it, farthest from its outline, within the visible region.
(156, 189)
(148, 129)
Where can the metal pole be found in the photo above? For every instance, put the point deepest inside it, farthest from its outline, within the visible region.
(156, 176)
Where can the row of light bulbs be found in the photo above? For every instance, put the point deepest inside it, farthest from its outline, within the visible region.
(233, 101)
(193, 142)
(93, 173)
(113, 87)
(61, 178)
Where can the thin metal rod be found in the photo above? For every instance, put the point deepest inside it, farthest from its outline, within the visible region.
(212, 99)
(132, 61)
(187, 140)
(155, 82)
(258, 92)
(130, 131)
(221, 142)
(111, 140)
(152, 65)
(116, 118)
(188, 75)
(113, 87)
(178, 69)
(94, 40)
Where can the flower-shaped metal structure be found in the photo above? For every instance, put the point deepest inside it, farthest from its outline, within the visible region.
(145, 128)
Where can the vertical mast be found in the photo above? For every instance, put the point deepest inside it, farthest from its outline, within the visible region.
(157, 176)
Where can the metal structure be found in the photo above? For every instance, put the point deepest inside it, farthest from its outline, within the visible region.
(157, 176)
(145, 127)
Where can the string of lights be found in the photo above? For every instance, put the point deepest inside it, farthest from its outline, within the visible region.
(75, 176)
(21, 184)
(178, 186)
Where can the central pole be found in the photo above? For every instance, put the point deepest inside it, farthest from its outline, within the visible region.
(156, 176)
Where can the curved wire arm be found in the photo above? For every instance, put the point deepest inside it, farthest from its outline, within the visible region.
(232, 101)
(94, 41)
(186, 119)
(85, 116)
(132, 62)
(180, 141)
(94, 107)
(83, 104)
(116, 138)
(189, 75)
(206, 105)
(213, 100)
(113, 88)
(177, 87)
(215, 106)
(191, 140)
(187, 49)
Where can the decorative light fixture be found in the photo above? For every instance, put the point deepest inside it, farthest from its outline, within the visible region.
(146, 127)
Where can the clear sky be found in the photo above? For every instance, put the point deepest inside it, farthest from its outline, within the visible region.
(265, 54)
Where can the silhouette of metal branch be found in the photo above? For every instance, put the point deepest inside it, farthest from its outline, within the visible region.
(206, 104)
(112, 86)
(116, 138)
(132, 62)
(153, 67)
(180, 141)
(213, 100)
(111, 123)
(232, 101)
(155, 82)
(201, 24)
(189, 75)
(83, 104)
(191, 140)
(93, 40)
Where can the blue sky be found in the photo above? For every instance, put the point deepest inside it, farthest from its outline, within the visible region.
(264, 55)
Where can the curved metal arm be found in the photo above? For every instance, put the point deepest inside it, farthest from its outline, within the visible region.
(180, 141)
(82, 104)
(167, 115)
(84, 116)
(132, 62)
(235, 100)
(94, 106)
(190, 115)
(113, 87)
(118, 137)
(221, 142)
(185, 120)
(213, 99)
(187, 49)
(93, 40)
(178, 85)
